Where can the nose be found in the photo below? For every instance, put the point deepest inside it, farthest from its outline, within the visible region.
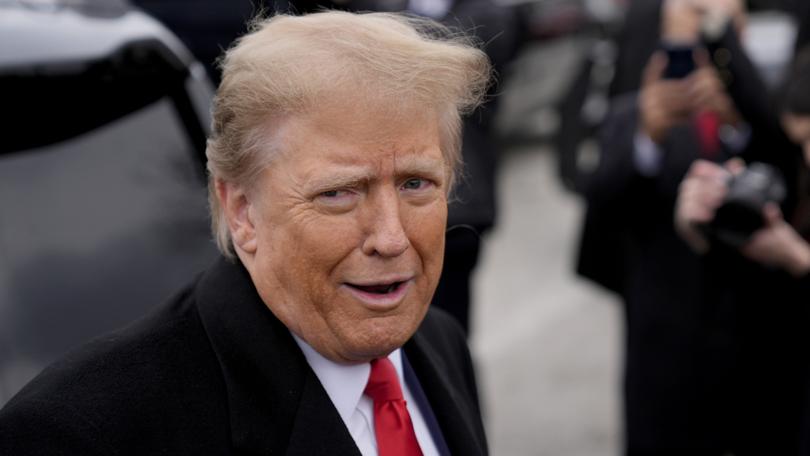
(386, 235)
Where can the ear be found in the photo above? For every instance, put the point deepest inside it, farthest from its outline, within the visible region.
(240, 215)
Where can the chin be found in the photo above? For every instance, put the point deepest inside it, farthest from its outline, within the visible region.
(379, 341)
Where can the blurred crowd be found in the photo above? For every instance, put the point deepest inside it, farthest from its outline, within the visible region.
(697, 216)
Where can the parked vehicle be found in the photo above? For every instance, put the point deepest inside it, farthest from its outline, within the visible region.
(102, 182)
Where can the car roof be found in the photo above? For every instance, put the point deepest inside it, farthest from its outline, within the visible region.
(40, 32)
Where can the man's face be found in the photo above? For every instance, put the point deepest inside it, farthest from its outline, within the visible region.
(349, 224)
(681, 20)
(797, 128)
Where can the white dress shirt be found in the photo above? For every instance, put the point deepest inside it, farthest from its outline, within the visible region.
(345, 385)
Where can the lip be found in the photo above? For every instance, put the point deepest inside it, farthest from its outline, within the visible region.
(380, 302)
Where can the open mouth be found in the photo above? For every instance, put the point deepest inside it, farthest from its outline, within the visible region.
(380, 289)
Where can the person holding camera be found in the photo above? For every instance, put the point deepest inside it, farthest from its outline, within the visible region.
(761, 275)
(781, 244)
(777, 244)
(680, 395)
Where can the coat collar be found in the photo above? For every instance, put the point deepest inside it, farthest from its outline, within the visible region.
(274, 398)
(277, 405)
(457, 419)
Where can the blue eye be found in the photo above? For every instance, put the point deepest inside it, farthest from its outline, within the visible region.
(414, 184)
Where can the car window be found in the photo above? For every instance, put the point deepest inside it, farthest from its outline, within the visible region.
(95, 231)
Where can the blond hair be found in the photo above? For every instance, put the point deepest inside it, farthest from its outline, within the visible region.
(289, 65)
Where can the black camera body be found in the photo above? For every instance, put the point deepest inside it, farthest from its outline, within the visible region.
(740, 215)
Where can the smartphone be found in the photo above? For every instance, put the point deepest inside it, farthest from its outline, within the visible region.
(680, 61)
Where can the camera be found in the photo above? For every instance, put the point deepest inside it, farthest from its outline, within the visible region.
(740, 215)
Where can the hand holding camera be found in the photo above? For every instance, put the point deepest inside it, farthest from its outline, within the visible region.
(778, 245)
(738, 206)
(701, 193)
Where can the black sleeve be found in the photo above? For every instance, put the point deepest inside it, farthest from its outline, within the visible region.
(35, 428)
(637, 41)
(602, 253)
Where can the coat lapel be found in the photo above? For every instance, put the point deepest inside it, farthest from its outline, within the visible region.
(455, 414)
(319, 430)
(277, 405)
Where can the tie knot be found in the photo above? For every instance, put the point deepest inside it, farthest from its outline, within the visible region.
(383, 383)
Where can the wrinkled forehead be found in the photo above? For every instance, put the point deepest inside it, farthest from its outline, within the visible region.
(375, 116)
(359, 120)
(355, 129)
(352, 127)
(320, 151)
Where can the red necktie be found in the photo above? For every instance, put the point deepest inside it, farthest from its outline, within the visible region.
(708, 126)
(392, 423)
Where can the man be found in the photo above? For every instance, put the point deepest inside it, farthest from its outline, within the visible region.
(334, 147)
(472, 210)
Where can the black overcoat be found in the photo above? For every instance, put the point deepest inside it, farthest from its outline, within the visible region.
(214, 372)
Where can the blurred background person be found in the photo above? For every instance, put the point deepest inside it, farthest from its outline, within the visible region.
(698, 97)
(766, 279)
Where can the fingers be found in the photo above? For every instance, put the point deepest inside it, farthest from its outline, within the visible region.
(702, 58)
(705, 169)
(654, 71)
(757, 243)
(700, 194)
(708, 93)
(705, 84)
(701, 197)
(772, 214)
(705, 187)
(661, 103)
(735, 166)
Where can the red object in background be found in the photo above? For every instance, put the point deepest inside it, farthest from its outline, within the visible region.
(707, 125)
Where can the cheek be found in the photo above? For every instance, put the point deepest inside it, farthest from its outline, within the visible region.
(325, 243)
(426, 230)
(313, 250)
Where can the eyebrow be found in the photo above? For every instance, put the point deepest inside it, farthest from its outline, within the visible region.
(355, 176)
(344, 177)
(420, 166)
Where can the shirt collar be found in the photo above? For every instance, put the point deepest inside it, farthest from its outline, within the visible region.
(344, 383)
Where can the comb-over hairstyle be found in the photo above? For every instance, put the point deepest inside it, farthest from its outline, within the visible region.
(292, 65)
